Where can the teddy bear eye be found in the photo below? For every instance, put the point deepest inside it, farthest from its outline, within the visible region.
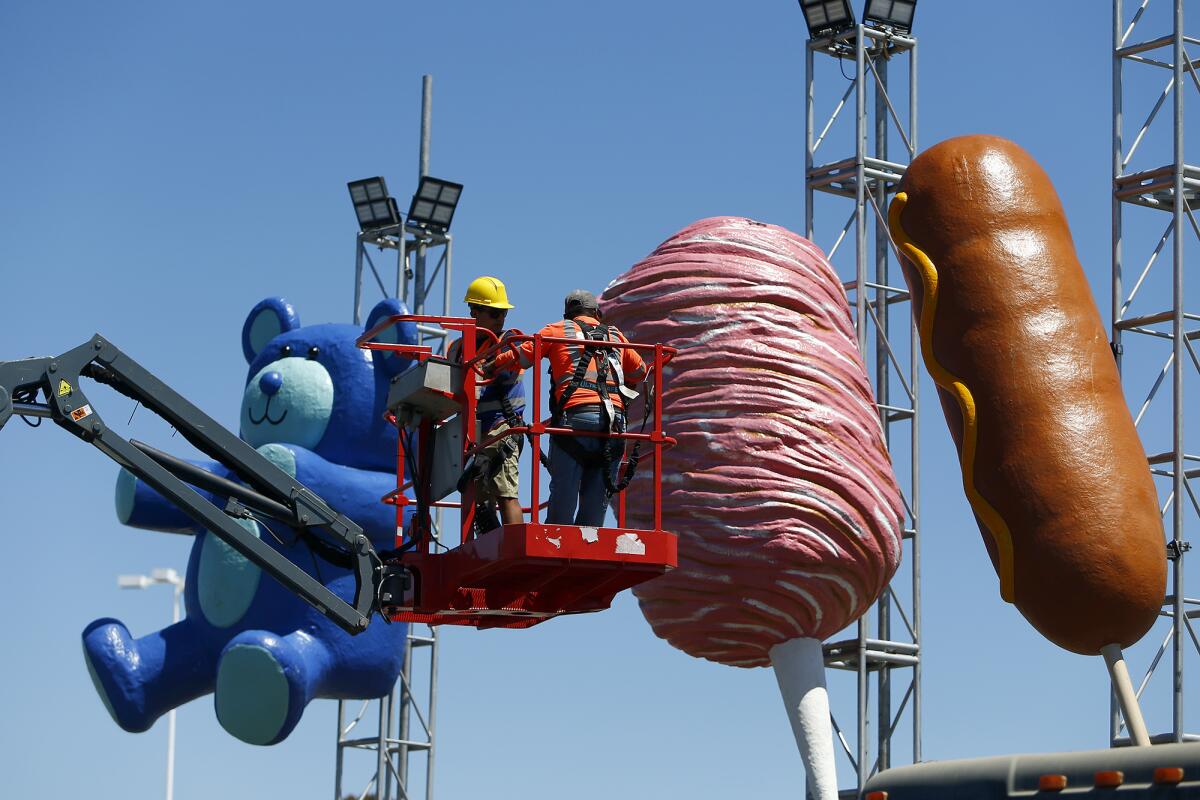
(286, 351)
(313, 352)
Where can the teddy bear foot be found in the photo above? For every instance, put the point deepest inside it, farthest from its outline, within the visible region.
(113, 662)
(139, 680)
(264, 682)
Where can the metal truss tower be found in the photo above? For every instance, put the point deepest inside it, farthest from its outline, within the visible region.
(1153, 332)
(404, 720)
(885, 653)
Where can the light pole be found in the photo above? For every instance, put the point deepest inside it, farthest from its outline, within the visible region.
(175, 580)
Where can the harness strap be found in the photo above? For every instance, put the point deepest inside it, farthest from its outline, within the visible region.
(503, 404)
(605, 398)
(635, 455)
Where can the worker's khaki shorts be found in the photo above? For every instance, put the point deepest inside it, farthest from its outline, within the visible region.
(504, 482)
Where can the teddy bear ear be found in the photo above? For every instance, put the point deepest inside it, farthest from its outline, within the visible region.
(267, 320)
(401, 333)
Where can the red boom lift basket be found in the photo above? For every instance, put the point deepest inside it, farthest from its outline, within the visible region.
(514, 576)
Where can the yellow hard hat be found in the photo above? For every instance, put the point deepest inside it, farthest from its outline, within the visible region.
(487, 291)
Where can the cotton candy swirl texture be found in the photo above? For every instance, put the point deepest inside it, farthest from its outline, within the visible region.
(780, 489)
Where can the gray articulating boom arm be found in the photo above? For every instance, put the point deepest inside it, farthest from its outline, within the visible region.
(269, 490)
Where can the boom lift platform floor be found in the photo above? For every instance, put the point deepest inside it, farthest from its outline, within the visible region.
(519, 575)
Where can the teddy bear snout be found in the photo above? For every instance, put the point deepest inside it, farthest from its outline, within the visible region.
(270, 383)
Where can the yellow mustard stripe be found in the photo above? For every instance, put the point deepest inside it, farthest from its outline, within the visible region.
(995, 524)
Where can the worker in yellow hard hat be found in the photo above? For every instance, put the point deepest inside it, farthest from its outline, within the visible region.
(488, 292)
(501, 402)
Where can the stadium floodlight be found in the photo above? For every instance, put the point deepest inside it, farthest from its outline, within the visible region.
(824, 17)
(372, 205)
(434, 203)
(896, 15)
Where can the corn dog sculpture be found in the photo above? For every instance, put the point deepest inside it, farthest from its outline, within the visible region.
(781, 490)
(1051, 463)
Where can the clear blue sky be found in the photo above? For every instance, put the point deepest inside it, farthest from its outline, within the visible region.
(165, 166)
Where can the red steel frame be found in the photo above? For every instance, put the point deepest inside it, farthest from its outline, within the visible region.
(519, 575)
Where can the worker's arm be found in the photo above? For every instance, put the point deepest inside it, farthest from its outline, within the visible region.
(632, 364)
(510, 358)
(520, 356)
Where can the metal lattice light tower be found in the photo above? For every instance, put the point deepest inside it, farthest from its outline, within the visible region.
(865, 177)
(1152, 183)
(404, 720)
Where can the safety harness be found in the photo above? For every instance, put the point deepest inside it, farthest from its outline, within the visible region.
(608, 363)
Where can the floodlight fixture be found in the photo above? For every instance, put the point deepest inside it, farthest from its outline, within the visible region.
(157, 575)
(434, 203)
(896, 15)
(165, 575)
(372, 205)
(824, 17)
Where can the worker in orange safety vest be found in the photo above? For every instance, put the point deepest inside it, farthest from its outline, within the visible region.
(589, 387)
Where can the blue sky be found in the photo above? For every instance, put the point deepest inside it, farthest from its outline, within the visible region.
(165, 166)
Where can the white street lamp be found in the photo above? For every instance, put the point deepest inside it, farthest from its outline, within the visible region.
(162, 575)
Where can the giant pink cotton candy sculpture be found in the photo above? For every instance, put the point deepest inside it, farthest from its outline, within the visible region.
(781, 490)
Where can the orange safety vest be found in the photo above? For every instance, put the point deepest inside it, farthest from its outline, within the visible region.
(626, 367)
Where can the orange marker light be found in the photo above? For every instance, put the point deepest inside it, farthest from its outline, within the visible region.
(1052, 783)
(1110, 778)
(1168, 775)
(876, 796)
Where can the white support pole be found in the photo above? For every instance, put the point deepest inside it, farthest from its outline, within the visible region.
(175, 615)
(800, 670)
(1126, 697)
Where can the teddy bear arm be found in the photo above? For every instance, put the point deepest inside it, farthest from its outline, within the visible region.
(139, 505)
(355, 492)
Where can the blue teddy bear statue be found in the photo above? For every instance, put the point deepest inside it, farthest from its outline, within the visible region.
(314, 405)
